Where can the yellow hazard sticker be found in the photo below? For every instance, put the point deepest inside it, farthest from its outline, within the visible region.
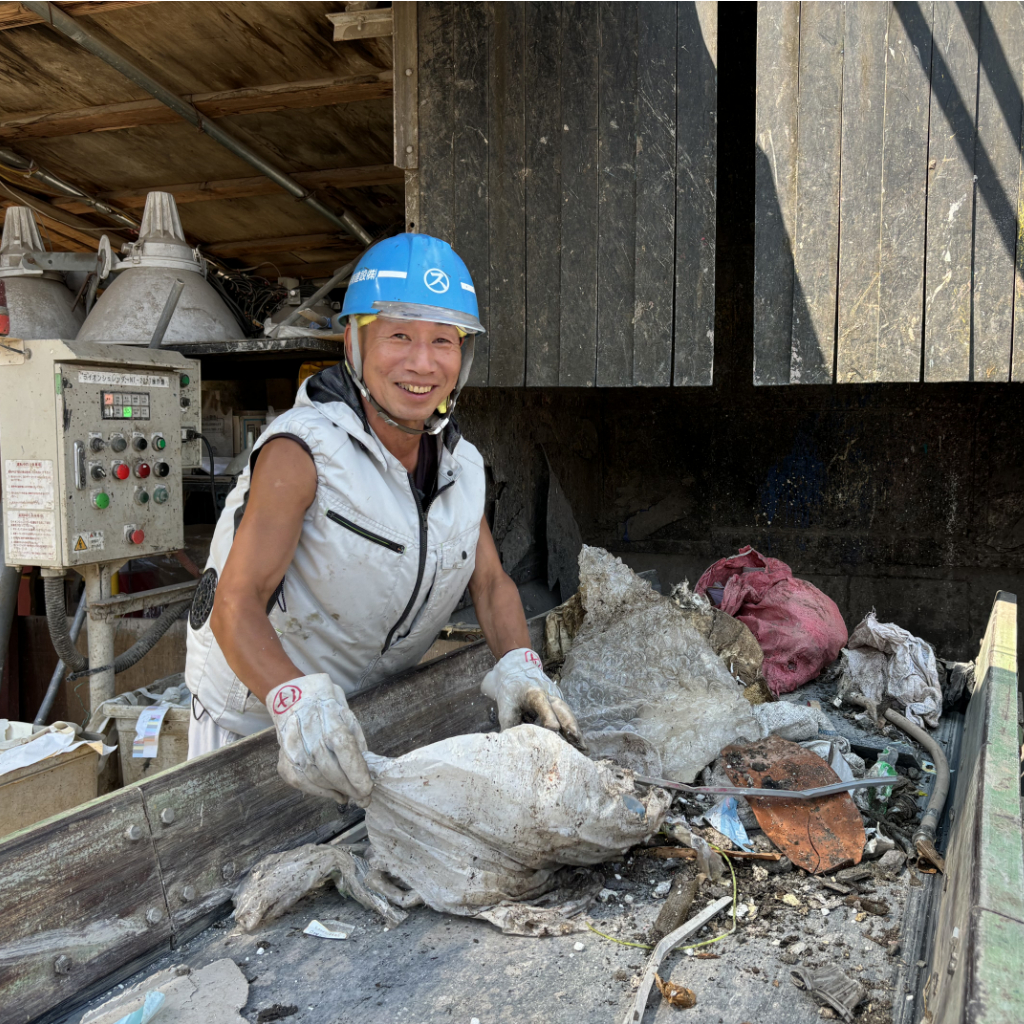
(90, 540)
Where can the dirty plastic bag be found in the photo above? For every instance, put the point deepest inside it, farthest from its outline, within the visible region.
(637, 664)
(884, 659)
(472, 821)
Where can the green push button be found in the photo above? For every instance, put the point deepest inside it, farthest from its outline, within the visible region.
(185, 380)
(160, 495)
(159, 444)
(127, 412)
(101, 500)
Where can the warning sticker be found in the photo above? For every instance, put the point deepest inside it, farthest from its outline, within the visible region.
(28, 483)
(91, 540)
(31, 537)
(131, 380)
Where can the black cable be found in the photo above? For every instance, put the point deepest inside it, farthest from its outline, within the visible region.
(192, 436)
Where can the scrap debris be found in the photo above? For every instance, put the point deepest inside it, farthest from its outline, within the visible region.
(675, 995)
(820, 835)
(831, 987)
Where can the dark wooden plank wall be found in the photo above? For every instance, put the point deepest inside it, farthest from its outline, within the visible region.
(887, 192)
(572, 163)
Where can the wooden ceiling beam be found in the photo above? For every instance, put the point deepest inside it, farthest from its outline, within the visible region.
(280, 268)
(290, 243)
(243, 188)
(320, 92)
(13, 15)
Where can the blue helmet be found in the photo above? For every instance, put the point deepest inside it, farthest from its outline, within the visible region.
(414, 274)
(413, 277)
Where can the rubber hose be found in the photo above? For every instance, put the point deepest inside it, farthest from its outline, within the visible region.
(57, 621)
(924, 834)
(148, 640)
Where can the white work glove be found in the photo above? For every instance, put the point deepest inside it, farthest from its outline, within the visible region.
(518, 685)
(321, 741)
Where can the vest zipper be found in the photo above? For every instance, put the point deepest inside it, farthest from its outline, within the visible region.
(422, 510)
(376, 538)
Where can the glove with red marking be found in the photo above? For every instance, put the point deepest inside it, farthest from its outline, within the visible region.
(322, 743)
(518, 685)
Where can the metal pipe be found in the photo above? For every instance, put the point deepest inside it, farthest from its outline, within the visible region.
(32, 170)
(924, 834)
(768, 794)
(58, 673)
(68, 26)
(320, 293)
(10, 581)
(168, 311)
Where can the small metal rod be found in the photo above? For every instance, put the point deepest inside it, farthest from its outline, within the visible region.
(168, 311)
(53, 16)
(769, 794)
(319, 293)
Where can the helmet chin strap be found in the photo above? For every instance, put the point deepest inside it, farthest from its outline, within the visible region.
(355, 369)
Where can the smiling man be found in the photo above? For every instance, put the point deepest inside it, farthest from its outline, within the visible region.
(352, 535)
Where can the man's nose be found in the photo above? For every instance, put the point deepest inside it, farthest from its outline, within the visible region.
(421, 357)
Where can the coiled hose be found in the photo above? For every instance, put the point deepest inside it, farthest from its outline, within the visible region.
(56, 620)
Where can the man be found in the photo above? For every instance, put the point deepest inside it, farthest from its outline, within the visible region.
(354, 532)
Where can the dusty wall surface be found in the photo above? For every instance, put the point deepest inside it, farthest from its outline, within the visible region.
(906, 498)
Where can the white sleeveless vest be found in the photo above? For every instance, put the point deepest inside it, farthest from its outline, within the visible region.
(375, 575)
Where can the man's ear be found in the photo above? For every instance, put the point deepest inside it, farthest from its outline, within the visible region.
(348, 343)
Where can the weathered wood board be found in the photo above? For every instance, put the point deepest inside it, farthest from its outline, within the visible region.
(582, 151)
(888, 191)
(120, 880)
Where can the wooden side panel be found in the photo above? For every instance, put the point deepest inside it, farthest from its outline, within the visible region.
(222, 806)
(904, 194)
(778, 47)
(543, 190)
(997, 167)
(470, 147)
(816, 243)
(864, 65)
(951, 139)
(578, 332)
(655, 195)
(77, 888)
(436, 24)
(616, 209)
(696, 147)
(506, 174)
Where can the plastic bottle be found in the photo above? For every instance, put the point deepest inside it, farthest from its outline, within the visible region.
(884, 766)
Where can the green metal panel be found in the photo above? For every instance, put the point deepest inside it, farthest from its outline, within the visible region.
(975, 974)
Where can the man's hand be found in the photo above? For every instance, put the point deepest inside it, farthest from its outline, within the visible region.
(321, 741)
(518, 685)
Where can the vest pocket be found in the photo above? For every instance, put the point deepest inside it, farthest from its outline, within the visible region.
(366, 534)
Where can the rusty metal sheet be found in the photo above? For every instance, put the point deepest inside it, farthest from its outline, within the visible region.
(817, 835)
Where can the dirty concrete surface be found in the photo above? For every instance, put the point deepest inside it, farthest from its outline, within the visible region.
(436, 968)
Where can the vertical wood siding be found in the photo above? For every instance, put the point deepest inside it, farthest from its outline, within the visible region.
(568, 153)
(888, 192)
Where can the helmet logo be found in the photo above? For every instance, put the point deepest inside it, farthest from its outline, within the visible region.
(436, 280)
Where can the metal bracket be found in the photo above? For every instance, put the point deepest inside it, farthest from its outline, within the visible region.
(122, 604)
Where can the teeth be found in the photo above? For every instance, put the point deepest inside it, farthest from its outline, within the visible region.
(420, 389)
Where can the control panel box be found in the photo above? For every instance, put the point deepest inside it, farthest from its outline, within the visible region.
(92, 445)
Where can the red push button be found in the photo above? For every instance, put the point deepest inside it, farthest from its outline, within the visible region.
(142, 469)
(121, 471)
(136, 536)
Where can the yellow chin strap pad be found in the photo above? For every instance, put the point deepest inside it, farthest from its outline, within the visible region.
(367, 318)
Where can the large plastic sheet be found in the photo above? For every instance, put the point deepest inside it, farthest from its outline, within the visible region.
(884, 659)
(473, 821)
(639, 665)
(798, 627)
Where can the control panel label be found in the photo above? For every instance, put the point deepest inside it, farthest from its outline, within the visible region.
(28, 483)
(123, 380)
(91, 540)
(31, 537)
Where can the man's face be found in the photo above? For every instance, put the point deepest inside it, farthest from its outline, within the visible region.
(409, 366)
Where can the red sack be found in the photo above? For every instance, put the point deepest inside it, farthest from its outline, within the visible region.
(798, 627)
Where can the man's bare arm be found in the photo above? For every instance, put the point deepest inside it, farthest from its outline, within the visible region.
(282, 489)
(496, 599)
